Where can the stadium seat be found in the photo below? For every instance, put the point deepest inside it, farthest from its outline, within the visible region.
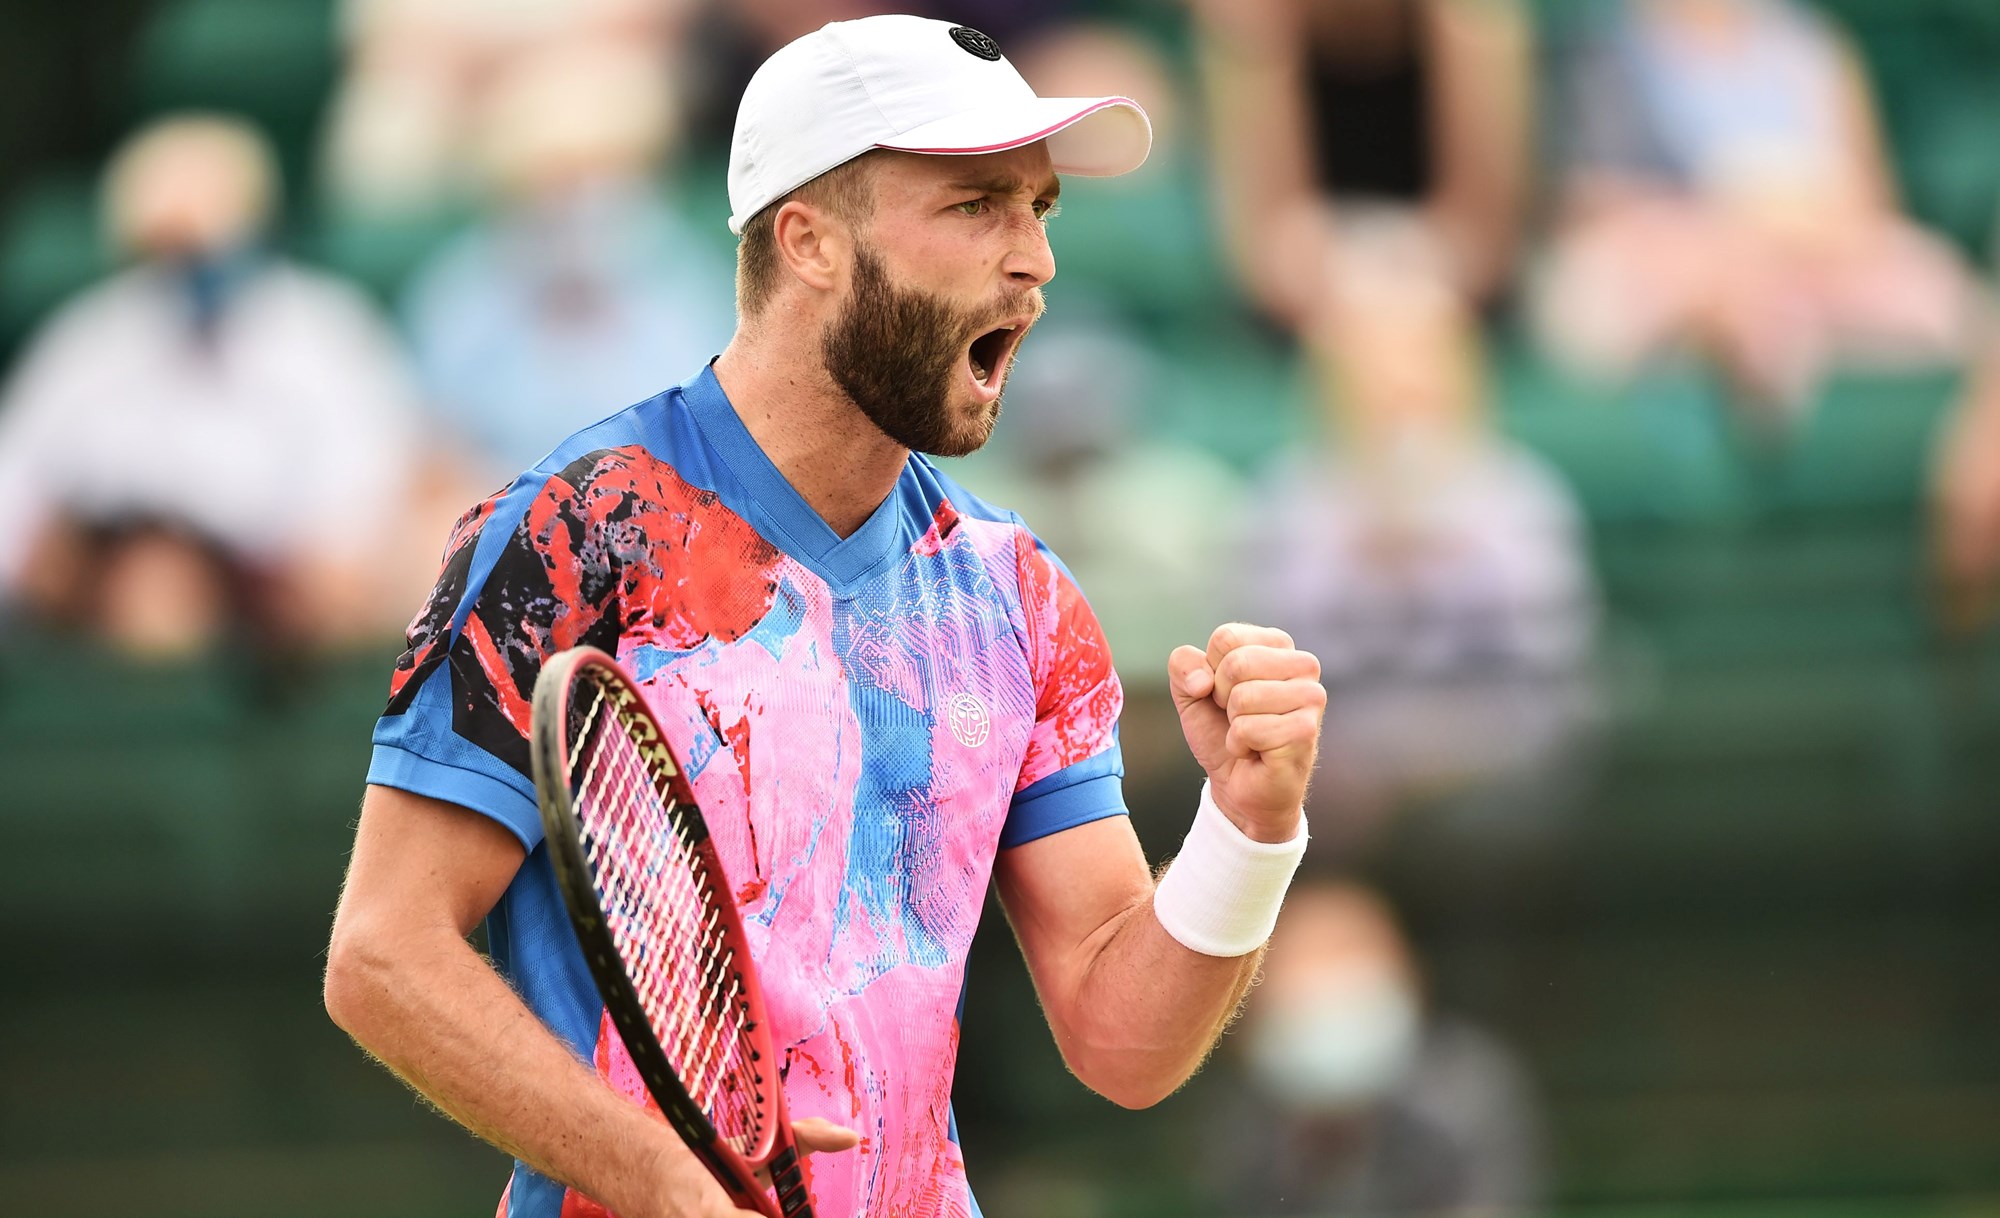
(50, 247)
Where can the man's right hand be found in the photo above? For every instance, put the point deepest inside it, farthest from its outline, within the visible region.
(686, 1189)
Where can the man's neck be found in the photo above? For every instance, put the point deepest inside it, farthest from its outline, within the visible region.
(838, 461)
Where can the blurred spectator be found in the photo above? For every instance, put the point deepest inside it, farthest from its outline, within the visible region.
(1358, 1102)
(585, 293)
(418, 71)
(1727, 189)
(214, 439)
(1437, 569)
(1322, 111)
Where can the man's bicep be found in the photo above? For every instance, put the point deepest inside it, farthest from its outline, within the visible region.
(422, 862)
(1066, 893)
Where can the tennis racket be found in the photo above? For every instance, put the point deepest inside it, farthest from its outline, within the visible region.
(653, 912)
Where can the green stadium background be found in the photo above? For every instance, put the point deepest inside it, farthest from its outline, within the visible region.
(1758, 977)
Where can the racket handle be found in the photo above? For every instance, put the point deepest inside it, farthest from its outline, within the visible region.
(792, 1182)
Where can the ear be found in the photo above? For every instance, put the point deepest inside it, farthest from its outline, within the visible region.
(814, 245)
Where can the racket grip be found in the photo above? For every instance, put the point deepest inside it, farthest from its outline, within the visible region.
(792, 1182)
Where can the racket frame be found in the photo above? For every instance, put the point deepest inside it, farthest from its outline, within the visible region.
(775, 1151)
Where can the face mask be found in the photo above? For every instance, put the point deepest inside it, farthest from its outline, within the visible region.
(1338, 1046)
(209, 283)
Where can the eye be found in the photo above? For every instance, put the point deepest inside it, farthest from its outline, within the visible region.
(1046, 209)
(971, 207)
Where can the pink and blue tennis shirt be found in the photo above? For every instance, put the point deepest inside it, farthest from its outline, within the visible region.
(866, 720)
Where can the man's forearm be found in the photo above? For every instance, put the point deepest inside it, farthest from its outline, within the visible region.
(438, 1015)
(1173, 965)
(1148, 1010)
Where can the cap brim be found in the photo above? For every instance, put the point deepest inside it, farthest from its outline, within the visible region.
(1093, 137)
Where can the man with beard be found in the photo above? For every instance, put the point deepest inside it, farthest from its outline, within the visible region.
(886, 691)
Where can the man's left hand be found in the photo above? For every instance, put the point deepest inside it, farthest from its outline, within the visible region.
(1250, 707)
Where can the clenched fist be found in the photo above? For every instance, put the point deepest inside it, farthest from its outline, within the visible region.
(1250, 707)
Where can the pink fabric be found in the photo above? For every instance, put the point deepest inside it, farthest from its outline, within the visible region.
(861, 923)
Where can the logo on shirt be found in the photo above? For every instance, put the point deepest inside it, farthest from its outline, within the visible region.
(975, 42)
(969, 723)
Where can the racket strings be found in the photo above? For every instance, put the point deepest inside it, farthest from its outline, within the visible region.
(655, 892)
(671, 922)
(705, 1033)
(699, 1035)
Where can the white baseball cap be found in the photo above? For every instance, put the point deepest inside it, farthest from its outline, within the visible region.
(913, 84)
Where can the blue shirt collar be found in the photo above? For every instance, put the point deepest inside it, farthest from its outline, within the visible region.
(775, 506)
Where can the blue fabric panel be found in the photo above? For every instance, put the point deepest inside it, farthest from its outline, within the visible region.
(1089, 790)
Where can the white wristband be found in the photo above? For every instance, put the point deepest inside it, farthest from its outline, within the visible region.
(1221, 895)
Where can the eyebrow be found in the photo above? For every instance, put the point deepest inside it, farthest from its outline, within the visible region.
(1009, 185)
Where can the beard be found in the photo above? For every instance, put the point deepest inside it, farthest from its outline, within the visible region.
(898, 354)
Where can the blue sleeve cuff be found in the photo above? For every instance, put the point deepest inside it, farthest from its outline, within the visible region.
(1092, 789)
(395, 766)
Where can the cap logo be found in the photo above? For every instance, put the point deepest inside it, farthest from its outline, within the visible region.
(975, 42)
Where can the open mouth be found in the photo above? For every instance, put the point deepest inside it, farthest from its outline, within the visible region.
(990, 352)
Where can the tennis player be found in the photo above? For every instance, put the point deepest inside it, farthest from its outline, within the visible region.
(886, 691)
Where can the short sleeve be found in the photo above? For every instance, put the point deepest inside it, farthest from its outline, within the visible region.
(526, 574)
(1072, 773)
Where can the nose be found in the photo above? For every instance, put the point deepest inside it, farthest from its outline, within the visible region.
(1030, 262)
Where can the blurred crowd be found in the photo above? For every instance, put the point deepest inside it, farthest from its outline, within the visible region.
(222, 444)
(1382, 184)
